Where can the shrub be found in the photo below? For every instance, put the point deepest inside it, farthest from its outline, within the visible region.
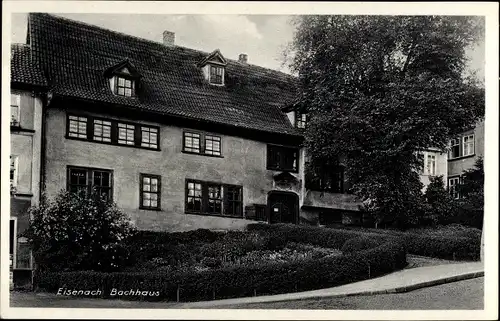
(75, 232)
(239, 280)
(358, 244)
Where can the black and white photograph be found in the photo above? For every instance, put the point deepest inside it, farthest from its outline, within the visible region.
(257, 161)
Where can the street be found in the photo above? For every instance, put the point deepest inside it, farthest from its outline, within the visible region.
(465, 295)
(461, 295)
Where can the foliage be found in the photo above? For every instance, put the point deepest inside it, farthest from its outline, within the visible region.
(268, 278)
(359, 244)
(75, 232)
(439, 202)
(471, 190)
(379, 89)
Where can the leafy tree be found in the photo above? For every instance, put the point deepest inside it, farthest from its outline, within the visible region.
(379, 89)
(76, 232)
(471, 189)
(440, 204)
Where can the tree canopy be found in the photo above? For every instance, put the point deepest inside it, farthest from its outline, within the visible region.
(378, 89)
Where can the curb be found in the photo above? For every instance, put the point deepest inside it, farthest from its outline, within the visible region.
(402, 289)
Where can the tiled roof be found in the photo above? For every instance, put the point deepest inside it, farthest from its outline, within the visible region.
(22, 70)
(75, 56)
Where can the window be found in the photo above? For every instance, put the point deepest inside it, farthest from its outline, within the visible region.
(150, 191)
(192, 142)
(282, 158)
(87, 180)
(213, 198)
(102, 130)
(234, 201)
(421, 159)
(329, 178)
(468, 146)
(194, 197)
(453, 184)
(300, 120)
(216, 75)
(13, 172)
(126, 134)
(200, 143)
(431, 164)
(212, 145)
(77, 127)
(455, 148)
(149, 137)
(113, 132)
(124, 87)
(15, 105)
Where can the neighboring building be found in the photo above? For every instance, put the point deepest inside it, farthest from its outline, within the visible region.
(26, 101)
(179, 139)
(465, 149)
(434, 164)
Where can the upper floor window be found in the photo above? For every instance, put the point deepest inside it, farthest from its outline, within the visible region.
(201, 143)
(15, 106)
(112, 132)
(328, 178)
(90, 180)
(124, 86)
(431, 164)
(468, 142)
(300, 120)
(77, 126)
(216, 75)
(462, 146)
(282, 158)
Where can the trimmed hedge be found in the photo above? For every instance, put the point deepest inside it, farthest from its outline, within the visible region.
(461, 245)
(239, 281)
(359, 244)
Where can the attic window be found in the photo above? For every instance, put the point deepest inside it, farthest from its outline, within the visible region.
(124, 86)
(216, 75)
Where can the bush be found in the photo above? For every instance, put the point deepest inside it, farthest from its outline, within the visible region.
(240, 280)
(358, 244)
(76, 232)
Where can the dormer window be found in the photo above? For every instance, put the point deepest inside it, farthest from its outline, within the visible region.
(300, 120)
(123, 79)
(216, 75)
(213, 67)
(124, 87)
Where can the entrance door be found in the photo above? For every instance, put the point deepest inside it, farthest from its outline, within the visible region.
(283, 207)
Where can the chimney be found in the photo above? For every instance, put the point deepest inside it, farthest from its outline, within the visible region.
(168, 38)
(243, 58)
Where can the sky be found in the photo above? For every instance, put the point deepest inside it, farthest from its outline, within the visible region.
(262, 37)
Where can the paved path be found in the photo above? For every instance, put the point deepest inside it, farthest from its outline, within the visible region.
(401, 281)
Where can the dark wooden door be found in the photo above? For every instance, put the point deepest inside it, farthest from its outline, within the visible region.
(283, 207)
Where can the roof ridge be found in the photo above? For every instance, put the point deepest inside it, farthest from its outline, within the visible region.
(122, 34)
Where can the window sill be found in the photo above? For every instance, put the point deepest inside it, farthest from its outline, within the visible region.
(21, 194)
(20, 129)
(112, 144)
(213, 214)
(461, 157)
(150, 209)
(202, 154)
(282, 170)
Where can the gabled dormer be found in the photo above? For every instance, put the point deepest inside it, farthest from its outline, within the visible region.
(214, 67)
(123, 79)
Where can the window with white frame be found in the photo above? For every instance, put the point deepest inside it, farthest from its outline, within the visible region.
(468, 145)
(15, 106)
(453, 184)
(77, 126)
(126, 134)
(124, 87)
(300, 120)
(149, 137)
(455, 148)
(431, 164)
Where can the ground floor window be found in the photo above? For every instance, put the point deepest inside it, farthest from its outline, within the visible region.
(150, 191)
(89, 180)
(453, 184)
(213, 198)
